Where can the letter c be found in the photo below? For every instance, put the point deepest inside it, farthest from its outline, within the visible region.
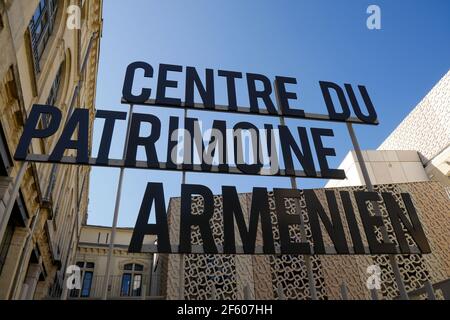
(129, 79)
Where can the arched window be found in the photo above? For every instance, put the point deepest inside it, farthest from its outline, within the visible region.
(131, 280)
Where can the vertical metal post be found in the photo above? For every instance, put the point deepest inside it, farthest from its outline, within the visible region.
(280, 292)
(430, 291)
(247, 293)
(373, 294)
(365, 173)
(181, 269)
(143, 290)
(116, 212)
(150, 283)
(344, 291)
(308, 263)
(213, 292)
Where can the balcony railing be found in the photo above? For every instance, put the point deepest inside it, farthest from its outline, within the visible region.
(118, 288)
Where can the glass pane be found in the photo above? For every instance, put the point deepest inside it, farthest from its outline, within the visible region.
(90, 265)
(128, 266)
(37, 31)
(80, 264)
(137, 281)
(138, 267)
(87, 282)
(126, 284)
(74, 293)
(41, 28)
(36, 15)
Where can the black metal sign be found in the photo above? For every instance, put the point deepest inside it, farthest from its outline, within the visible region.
(215, 158)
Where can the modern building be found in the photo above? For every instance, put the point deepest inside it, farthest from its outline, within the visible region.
(204, 276)
(415, 158)
(43, 206)
(417, 150)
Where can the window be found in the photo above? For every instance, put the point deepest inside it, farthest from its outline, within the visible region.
(52, 96)
(87, 282)
(87, 276)
(41, 27)
(54, 90)
(131, 280)
(125, 287)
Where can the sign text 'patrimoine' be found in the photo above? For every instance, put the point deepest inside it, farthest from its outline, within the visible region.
(274, 151)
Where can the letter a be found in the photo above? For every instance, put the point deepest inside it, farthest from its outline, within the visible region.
(374, 20)
(73, 17)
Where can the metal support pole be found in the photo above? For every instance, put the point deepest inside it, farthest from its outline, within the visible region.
(308, 263)
(150, 283)
(213, 292)
(247, 293)
(143, 291)
(373, 294)
(181, 269)
(430, 291)
(280, 292)
(365, 173)
(12, 198)
(116, 213)
(344, 291)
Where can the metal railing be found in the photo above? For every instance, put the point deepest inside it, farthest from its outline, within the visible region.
(118, 288)
(142, 290)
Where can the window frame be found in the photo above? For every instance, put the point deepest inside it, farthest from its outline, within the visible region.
(41, 27)
(135, 272)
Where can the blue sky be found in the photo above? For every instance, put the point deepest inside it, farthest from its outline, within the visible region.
(308, 40)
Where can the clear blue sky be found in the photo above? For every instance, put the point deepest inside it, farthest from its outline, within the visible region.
(308, 40)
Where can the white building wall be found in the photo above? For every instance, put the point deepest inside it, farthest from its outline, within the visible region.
(384, 167)
(417, 150)
(427, 128)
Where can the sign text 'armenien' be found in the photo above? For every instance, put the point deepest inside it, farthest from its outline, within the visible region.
(242, 148)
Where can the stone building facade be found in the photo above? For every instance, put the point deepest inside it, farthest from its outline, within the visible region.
(133, 275)
(42, 206)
